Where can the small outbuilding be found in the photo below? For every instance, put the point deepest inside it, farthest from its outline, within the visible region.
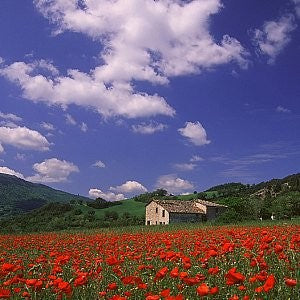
(160, 212)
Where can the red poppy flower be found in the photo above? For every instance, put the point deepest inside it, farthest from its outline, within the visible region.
(174, 273)
(4, 294)
(269, 284)
(203, 290)
(290, 282)
(234, 277)
(112, 286)
(214, 290)
(165, 293)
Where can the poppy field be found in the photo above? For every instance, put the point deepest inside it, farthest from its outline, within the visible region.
(196, 263)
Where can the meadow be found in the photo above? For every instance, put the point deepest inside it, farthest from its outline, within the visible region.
(176, 262)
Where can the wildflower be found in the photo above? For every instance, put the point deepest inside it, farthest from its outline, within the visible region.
(4, 294)
(112, 286)
(290, 282)
(234, 277)
(202, 290)
(269, 284)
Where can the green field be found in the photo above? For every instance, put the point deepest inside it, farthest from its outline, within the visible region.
(128, 206)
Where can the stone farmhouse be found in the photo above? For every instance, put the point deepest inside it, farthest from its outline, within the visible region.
(159, 212)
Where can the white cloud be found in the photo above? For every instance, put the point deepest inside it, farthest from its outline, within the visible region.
(23, 138)
(180, 44)
(195, 133)
(297, 7)
(173, 184)
(109, 196)
(150, 128)
(20, 156)
(274, 36)
(46, 65)
(129, 187)
(196, 158)
(10, 117)
(99, 164)
(185, 166)
(6, 170)
(8, 124)
(1, 149)
(83, 127)
(70, 120)
(282, 109)
(47, 126)
(53, 170)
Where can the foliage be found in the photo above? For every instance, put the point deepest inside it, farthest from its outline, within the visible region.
(147, 197)
(100, 203)
(61, 216)
(18, 195)
(280, 197)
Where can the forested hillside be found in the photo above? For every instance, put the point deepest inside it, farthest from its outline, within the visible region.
(18, 195)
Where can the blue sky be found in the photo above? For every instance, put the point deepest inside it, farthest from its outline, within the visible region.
(113, 99)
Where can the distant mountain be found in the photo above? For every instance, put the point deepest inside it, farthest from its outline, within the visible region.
(18, 195)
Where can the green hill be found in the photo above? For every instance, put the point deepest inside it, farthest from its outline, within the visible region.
(61, 210)
(18, 195)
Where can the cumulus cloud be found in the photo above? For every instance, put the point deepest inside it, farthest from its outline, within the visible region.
(274, 36)
(149, 128)
(83, 127)
(282, 109)
(10, 117)
(6, 170)
(99, 164)
(196, 158)
(47, 126)
(129, 187)
(53, 170)
(173, 184)
(185, 166)
(23, 138)
(180, 44)
(109, 196)
(8, 124)
(45, 65)
(70, 120)
(195, 133)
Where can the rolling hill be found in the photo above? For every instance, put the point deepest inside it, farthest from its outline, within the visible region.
(62, 210)
(18, 195)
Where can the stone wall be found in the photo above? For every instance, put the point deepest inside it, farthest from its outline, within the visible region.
(154, 214)
(213, 212)
(185, 218)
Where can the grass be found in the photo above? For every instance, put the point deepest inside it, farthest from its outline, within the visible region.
(128, 206)
(181, 226)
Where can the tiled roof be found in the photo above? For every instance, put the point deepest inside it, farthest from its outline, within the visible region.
(208, 203)
(180, 206)
(185, 206)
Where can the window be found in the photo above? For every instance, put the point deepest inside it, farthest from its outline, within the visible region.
(156, 222)
(163, 213)
(160, 223)
(148, 222)
(156, 210)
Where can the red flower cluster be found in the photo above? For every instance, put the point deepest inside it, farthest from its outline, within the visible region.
(231, 263)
